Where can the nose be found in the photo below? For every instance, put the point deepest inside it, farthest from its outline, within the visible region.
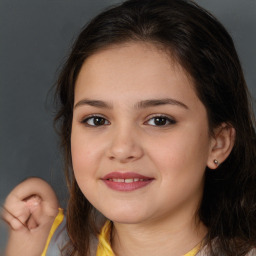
(124, 146)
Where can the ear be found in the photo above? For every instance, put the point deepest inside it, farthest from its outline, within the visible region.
(222, 143)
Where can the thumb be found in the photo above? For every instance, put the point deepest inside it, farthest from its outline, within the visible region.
(32, 204)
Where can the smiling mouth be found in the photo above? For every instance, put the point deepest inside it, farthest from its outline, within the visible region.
(126, 181)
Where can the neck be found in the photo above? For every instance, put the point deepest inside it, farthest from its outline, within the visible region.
(157, 238)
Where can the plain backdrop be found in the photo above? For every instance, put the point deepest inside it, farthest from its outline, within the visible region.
(35, 38)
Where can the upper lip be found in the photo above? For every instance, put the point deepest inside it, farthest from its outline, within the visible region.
(125, 175)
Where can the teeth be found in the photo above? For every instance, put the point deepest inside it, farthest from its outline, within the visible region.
(126, 180)
(118, 180)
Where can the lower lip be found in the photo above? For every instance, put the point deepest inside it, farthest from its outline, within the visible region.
(122, 186)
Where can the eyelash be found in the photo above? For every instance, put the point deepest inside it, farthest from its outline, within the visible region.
(94, 117)
(166, 119)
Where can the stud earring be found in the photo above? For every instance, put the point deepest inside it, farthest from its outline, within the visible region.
(216, 161)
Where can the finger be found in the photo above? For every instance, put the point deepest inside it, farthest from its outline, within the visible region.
(32, 203)
(40, 218)
(40, 211)
(31, 223)
(14, 222)
(36, 186)
(32, 197)
(15, 209)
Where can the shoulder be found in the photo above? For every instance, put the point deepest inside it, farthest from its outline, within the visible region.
(58, 236)
(58, 240)
(206, 252)
(252, 252)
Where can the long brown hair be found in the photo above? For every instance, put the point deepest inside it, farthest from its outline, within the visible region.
(202, 46)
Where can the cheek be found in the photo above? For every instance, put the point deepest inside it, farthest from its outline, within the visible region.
(83, 164)
(184, 152)
(82, 155)
(87, 152)
(181, 169)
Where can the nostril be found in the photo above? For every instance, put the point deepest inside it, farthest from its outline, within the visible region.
(124, 148)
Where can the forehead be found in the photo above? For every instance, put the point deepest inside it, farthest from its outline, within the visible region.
(139, 68)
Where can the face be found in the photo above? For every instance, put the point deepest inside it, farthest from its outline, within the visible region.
(140, 138)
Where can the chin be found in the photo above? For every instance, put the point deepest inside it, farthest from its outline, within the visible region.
(128, 220)
(126, 217)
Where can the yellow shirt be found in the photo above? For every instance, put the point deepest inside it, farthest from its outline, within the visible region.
(104, 248)
(59, 218)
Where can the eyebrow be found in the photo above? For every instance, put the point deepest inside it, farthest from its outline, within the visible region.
(93, 103)
(138, 105)
(159, 102)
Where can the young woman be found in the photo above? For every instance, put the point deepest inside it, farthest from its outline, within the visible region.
(158, 136)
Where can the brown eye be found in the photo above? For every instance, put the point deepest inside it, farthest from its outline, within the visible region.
(95, 121)
(160, 121)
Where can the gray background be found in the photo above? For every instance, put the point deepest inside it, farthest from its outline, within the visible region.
(35, 36)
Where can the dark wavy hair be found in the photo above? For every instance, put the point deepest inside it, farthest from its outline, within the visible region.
(202, 46)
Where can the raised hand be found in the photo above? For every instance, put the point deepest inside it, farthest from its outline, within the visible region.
(29, 211)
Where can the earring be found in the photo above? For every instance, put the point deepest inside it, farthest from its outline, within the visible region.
(216, 161)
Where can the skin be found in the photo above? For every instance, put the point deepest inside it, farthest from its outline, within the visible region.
(155, 219)
(159, 217)
(29, 211)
